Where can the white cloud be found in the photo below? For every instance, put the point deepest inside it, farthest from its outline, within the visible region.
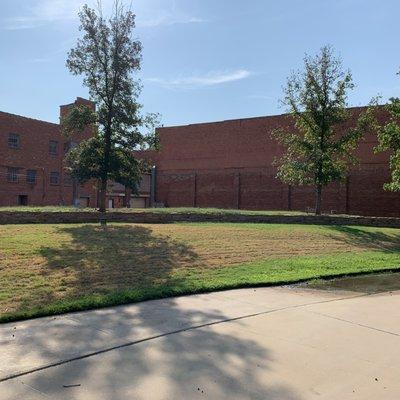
(155, 13)
(195, 81)
(167, 20)
(44, 12)
(150, 13)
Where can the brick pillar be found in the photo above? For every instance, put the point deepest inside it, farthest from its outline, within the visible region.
(236, 190)
(290, 198)
(153, 186)
(195, 189)
(347, 207)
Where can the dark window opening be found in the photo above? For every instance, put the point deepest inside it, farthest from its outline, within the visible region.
(12, 174)
(54, 178)
(13, 141)
(22, 200)
(53, 147)
(31, 176)
(84, 201)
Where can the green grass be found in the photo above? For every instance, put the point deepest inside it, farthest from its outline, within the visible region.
(52, 269)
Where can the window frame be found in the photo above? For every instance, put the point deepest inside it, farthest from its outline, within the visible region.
(12, 172)
(52, 175)
(53, 150)
(14, 138)
(28, 181)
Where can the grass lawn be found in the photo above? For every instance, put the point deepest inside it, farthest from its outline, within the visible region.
(49, 269)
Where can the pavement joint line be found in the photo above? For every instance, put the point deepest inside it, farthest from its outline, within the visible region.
(354, 323)
(161, 335)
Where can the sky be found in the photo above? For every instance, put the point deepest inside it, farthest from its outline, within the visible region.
(203, 60)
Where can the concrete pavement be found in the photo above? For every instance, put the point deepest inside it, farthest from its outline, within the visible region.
(264, 343)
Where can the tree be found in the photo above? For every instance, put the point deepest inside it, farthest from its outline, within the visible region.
(106, 56)
(315, 152)
(389, 140)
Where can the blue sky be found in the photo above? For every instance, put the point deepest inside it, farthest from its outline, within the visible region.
(203, 60)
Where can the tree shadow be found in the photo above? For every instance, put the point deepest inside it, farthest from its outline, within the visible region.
(187, 358)
(207, 362)
(117, 258)
(366, 238)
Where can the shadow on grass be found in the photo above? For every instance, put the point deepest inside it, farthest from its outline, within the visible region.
(115, 259)
(189, 364)
(367, 238)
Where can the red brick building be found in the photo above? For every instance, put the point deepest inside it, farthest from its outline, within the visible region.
(228, 164)
(31, 166)
(225, 164)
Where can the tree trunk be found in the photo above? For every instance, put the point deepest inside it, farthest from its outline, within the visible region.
(318, 200)
(106, 166)
(102, 195)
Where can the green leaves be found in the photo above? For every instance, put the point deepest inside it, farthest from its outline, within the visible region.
(77, 119)
(107, 56)
(316, 152)
(389, 140)
(85, 162)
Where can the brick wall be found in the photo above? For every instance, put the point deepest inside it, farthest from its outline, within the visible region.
(33, 153)
(228, 164)
(224, 164)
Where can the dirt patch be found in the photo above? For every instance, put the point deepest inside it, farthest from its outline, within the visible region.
(371, 283)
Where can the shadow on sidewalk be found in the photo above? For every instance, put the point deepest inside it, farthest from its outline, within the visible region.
(206, 362)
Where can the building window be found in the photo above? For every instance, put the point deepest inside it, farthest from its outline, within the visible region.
(13, 141)
(53, 147)
(31, 176)
(22, 200)
(54, 178)
(12, 174)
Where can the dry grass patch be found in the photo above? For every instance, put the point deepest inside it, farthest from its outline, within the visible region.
(46, 264)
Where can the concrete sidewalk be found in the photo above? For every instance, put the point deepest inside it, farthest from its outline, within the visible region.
(265, 343)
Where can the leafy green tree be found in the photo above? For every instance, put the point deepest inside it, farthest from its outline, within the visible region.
(315, 152)
(389, 140)
(107, 56)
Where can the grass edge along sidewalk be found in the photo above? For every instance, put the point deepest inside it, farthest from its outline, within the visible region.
(254, 274)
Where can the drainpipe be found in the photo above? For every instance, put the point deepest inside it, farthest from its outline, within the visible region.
(153, 186)
(74, 193)
(44, 185)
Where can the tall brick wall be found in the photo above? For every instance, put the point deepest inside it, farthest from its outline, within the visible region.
(224, 164)
(228, 164)
(33, 154)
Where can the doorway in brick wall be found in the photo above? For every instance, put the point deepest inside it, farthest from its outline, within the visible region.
(22, 200)
(110, 203)
(84, 201)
